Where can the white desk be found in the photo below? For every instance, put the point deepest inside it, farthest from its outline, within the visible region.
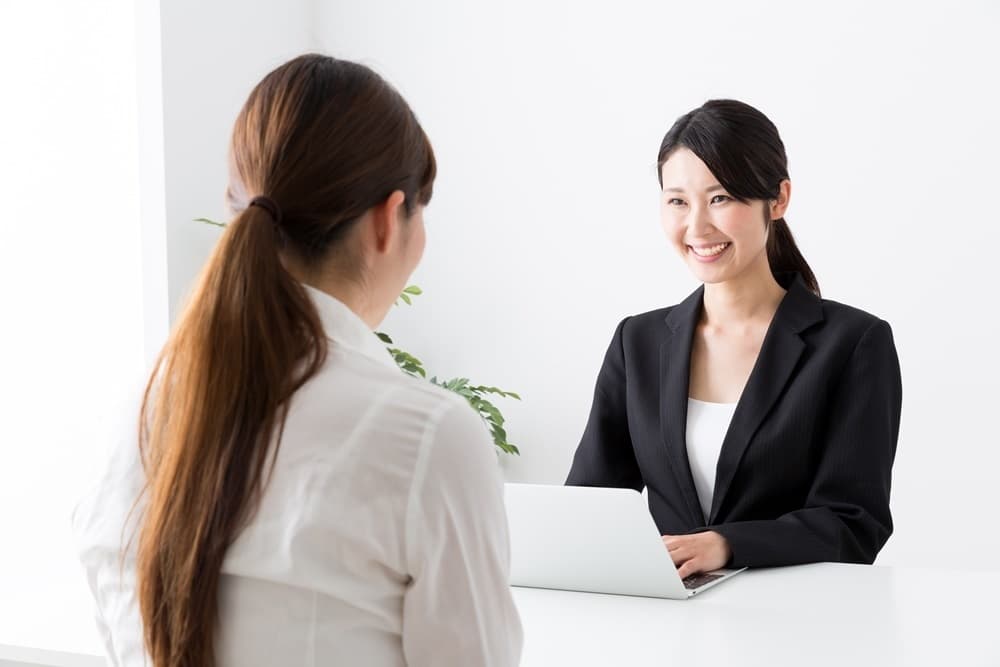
(808, 616)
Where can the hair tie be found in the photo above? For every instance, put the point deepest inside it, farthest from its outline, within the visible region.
(268, 205)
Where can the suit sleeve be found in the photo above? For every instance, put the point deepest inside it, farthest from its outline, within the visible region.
(846, 515)
(605, 456)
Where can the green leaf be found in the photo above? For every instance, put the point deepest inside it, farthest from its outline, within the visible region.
(417, 370)
(492, 411)
(405, 298)
(413, 289)
(384, 337)
(508, 447)
(402, 357)
(497, 391)
(210, 222)
(453, 384)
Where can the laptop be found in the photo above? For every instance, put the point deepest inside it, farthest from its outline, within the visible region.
(595, 540)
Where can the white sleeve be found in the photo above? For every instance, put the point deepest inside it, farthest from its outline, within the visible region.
(103, 522)
(103, 630)
(458, 609)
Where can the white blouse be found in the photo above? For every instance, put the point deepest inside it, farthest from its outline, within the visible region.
(707, 424)
(381, 537)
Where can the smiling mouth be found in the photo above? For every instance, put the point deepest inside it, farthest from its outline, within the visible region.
(710, 251)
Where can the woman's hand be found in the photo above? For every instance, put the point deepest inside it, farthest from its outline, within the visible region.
(700, 552)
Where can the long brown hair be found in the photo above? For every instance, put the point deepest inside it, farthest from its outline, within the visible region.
(742, 148)
(326, 140)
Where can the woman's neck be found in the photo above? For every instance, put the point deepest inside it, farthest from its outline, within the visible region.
(752, 296)
(350, 292)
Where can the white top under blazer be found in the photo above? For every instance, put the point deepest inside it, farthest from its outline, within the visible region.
(381, 538)
(707, 424)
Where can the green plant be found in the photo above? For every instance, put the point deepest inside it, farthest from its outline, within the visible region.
(476, 395)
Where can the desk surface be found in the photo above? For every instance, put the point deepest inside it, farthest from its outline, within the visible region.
(824, 614)
(816, 615)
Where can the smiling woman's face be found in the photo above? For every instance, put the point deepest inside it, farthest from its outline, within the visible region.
(718, 236)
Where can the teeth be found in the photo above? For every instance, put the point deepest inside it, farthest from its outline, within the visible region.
(710, 251)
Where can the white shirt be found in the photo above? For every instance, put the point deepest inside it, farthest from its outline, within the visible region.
(707, 424)
(381, 537)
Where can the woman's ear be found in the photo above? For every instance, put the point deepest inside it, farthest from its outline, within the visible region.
(386, 220)
(777, 207)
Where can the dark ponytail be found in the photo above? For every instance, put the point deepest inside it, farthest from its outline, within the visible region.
(323, 140)
(784, 256)
(743, 149)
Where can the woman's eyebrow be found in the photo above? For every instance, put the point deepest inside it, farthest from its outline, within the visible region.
(711, 188)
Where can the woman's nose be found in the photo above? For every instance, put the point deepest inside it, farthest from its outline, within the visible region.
(699, 222)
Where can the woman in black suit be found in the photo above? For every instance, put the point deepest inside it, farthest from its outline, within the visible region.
(761, 418)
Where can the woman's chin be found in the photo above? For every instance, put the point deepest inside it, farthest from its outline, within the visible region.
(710, 273)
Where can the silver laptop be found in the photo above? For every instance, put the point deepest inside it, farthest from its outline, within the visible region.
(593, 539)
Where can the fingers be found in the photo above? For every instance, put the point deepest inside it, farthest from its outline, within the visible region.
(681, 555)
(678, 545)
(678, 552)
(690, 553)
(673, 542)
(689, 567)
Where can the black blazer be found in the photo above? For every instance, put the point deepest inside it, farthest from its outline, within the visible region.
(805, 468)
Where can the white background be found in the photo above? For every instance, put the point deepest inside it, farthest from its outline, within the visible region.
(543, 232)
(102, 100)
(71, 334)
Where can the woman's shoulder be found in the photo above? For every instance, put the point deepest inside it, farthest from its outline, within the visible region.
(656, 317)
(649, 323)
(842, 319)
(366, 380)
(658, 320)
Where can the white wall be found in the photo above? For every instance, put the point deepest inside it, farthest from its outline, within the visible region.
(543, 233)
(71, 334)
(212, 55)
(148, 105)
(112, 138)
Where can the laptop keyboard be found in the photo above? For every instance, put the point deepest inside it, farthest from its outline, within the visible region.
(697, 580)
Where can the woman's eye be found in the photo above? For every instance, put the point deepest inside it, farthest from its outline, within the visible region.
(675, 202)
(720, 198)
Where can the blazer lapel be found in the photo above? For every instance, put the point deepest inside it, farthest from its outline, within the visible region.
(779, 355)
(675, 373)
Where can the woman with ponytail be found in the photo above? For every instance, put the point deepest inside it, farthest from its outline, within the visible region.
(289, 496)
(761, 418)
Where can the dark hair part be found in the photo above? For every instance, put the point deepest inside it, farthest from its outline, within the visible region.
(326, 140)
(742, 148)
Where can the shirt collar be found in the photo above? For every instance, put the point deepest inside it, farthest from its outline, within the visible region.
(343, 326)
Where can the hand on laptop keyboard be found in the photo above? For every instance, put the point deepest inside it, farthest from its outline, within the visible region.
(696, 580)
